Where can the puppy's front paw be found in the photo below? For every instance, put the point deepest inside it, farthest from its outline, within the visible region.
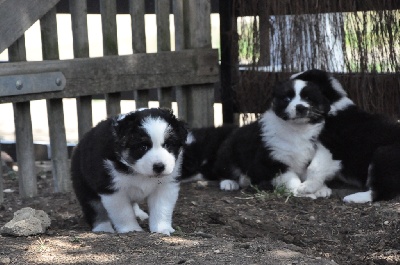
(163, 229)
(324, 192)
(228, 185)
(308, 187)
(128, 229)
(308, 195)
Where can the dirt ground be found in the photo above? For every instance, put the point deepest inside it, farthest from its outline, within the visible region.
(213, 227)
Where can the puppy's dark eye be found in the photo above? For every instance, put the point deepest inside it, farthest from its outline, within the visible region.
(166, 145)
(286, 99)
(144, 148)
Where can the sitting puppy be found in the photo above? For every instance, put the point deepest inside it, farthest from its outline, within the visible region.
(281, 148)
(201, 149)
(124, 160)
(367, 144)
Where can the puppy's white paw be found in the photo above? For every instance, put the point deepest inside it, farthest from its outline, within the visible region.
(103, 227)
(228, 185)
(163, 229)
(324, 192)
(308, 187)
(142, 215)
(131, 228)
(359, 197)
(308, 195)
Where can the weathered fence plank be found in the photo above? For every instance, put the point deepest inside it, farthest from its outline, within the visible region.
(108, 10)
(137, 11)
(23, 132)
(180, 93)
(81, 50)
(55, 111)
(164, 95)
(198, 35)
(122, 73)
(16, 16)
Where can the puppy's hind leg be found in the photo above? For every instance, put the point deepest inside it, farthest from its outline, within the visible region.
(101, 222)
(142, 215)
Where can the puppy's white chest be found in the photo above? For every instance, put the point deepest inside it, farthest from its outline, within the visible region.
(137, 188)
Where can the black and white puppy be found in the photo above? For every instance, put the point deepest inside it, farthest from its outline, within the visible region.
(367, 144)
(127, 159)
(281, 148)
(200, 152)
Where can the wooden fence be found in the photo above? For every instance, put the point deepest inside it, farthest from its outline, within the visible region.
(191, 71)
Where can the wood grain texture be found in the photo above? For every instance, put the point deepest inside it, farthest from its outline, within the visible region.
(122, 73)
(78, 9)
(16, 16)
(23, 132)
(55, 111)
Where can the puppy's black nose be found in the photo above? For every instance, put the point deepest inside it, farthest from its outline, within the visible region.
(158, 167)
(301, 109)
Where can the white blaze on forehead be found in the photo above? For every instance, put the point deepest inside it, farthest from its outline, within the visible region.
(298, 86)
(158, 130)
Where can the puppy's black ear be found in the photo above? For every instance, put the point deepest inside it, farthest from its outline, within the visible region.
(181, 126)
(183, 131)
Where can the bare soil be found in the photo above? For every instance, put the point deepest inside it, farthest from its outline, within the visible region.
(213, 227)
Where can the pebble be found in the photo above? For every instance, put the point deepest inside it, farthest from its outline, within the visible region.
(386, 223)
(5, 261)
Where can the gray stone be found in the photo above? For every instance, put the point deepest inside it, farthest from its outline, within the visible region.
(26, 222)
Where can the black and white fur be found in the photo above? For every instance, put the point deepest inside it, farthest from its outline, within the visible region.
(281, 148)
(127, 159)
(367, 144)
(200, 152)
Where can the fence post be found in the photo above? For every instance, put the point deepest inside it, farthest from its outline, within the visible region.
(200, 98)
(137, 11)
(55, 111)
(108, 10)
(78, 9)
(23, 132)
(163, 44)
(181, 93)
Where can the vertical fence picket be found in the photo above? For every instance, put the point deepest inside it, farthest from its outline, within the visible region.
(137, 11)
(78, 9)
(55, 111)
(200, 98)
(108, 10)
(180, 92)
(23, 132)
(163, 44)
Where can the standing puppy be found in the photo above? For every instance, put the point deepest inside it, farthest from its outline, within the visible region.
(282, 147)
(125, 160)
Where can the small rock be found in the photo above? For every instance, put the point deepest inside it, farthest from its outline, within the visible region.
(386, 223)
(5, 260)
(201, 184)
(312, 218)
(26, 222)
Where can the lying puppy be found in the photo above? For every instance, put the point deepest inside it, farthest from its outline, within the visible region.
(367, 144)
(200, 152)
(281, 148)
(125, 160)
